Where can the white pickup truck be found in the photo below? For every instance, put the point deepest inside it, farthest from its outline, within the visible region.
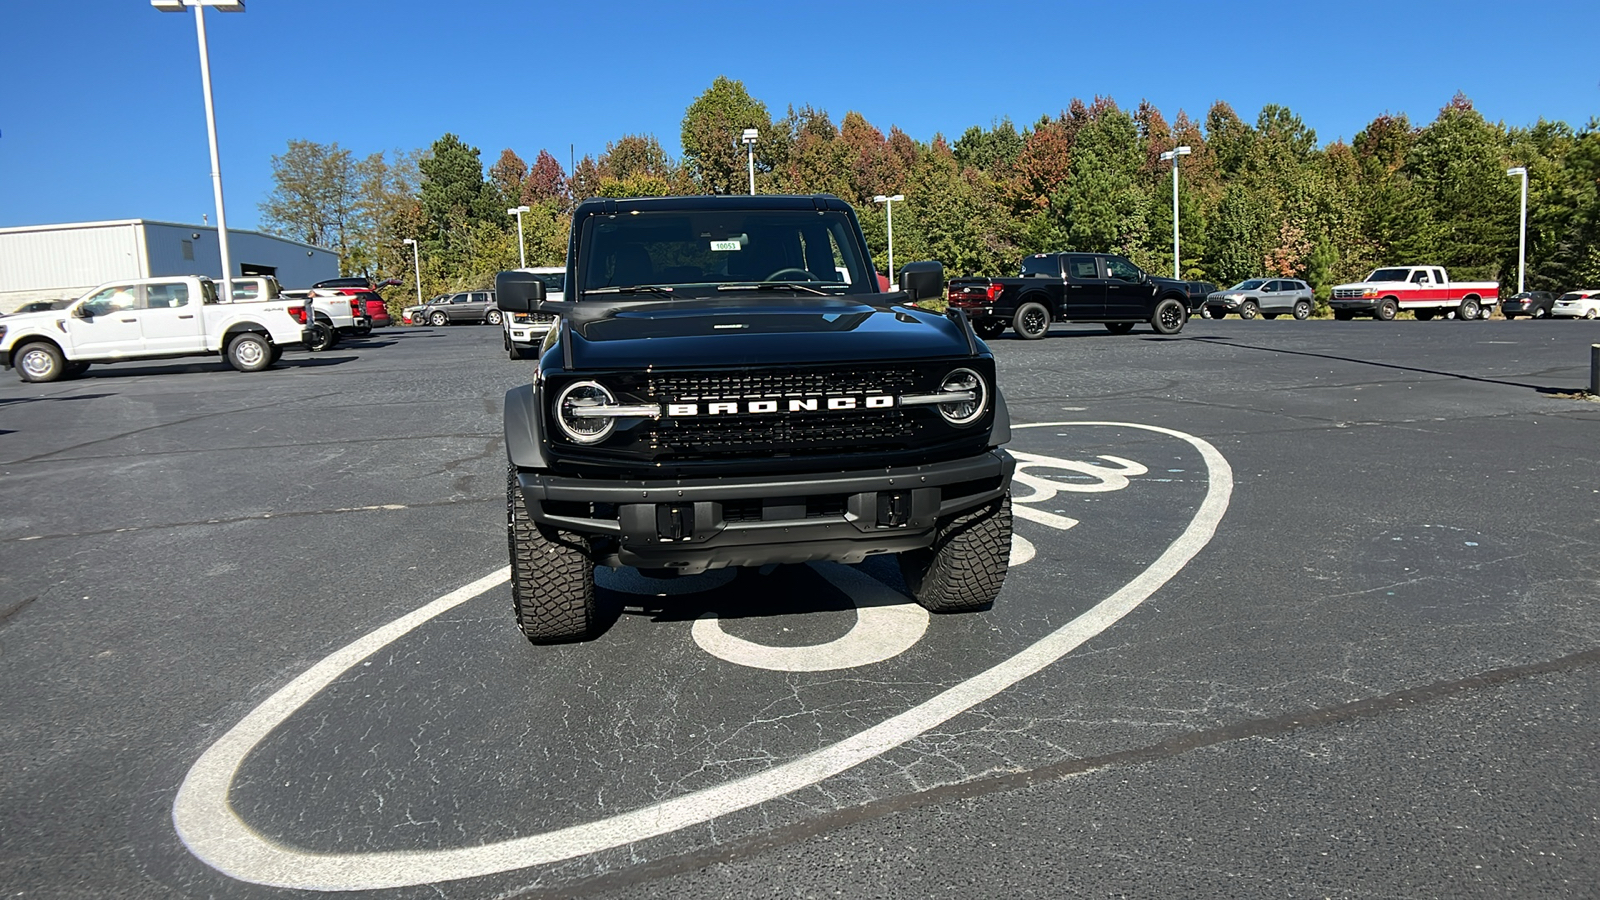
(338, 315)
(150, 318)
(1426, 291)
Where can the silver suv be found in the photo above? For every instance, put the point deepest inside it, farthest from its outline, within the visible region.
(1267, 297)
(474, 307)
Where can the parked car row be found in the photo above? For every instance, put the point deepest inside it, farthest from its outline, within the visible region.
(460, 308)
(1545, 304)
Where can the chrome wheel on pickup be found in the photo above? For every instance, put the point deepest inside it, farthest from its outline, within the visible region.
(40, 362)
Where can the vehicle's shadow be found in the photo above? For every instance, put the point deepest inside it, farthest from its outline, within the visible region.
(123, 370)
(365, 343)
(1543, 389)
(791, 590)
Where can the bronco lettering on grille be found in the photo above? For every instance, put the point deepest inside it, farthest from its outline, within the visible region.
(791, 404)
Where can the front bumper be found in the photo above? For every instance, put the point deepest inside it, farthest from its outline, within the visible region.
(691, 525)
(529, 334)
(1354, 304)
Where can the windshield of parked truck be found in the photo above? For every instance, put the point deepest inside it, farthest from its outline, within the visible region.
(1249, 285)
(694, 252)
(1389, 275)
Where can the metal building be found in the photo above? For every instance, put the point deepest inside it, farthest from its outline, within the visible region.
(53, 262)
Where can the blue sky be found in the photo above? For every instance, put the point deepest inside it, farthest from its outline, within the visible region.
(101, 114)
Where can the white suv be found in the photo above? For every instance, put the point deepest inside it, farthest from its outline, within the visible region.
(525, 331)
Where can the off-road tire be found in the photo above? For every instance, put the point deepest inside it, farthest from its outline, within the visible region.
(1169, 317)
(966, 566)
(40, 362)
(1386, 310)
(438, 319)
(1302, 310)
(249, 352)
(552, 576)
(492, 317)
(1031, 321)
(989, 329)
(1119, 327)
(1248, 309)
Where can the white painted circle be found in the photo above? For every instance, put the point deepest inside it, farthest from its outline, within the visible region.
(215, 834)
(887, 625)
(1022, 550)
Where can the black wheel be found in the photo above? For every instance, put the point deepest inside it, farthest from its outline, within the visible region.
(1031, 321)
(40, 362)
(438, 318)
(492, 317)
(1468, 310)
(1119, 327)
(552, 576)
(250, 352)
(323, 337)
(513, 351)
(1248, 309)
(1342, 315)
(1169, 317)
(1386, 309)
(1269, 316)
(966, 566)
(988, 329)
(1302, 309)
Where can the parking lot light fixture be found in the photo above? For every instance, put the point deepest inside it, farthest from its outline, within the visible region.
(1173, 155)
(1522, 240)
(749, 140)
(416, 261)
(211, 116)
(888, 207)
(522, 248)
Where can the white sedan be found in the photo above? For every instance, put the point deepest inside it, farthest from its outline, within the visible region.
(1577, 305)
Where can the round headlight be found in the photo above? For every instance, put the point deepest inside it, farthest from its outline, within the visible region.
(974, 398)
(584, 429)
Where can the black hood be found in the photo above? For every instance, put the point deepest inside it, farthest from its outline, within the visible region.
(743, 330)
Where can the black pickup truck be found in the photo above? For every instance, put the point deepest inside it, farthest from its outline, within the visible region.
(727, 386)
(1073, 287)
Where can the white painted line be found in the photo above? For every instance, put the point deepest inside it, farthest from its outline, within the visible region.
(214, 833)
(1022, 549)
(887, 625)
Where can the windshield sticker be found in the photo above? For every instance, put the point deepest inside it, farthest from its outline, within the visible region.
(725, 245)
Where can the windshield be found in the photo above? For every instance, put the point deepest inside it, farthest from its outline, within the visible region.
(1250, 285)
(1389, 275)
(694, 252)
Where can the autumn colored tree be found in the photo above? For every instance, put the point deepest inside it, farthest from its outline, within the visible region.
(546, 182)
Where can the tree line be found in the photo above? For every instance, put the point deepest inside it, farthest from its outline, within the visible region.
(1254, 199)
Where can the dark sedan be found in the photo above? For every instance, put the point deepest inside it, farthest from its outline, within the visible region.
(1533, 304)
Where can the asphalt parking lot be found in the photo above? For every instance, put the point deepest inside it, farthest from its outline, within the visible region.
(1298, 609)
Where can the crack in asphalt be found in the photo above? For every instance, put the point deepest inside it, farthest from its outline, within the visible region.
(1395, 702)
(296, 514)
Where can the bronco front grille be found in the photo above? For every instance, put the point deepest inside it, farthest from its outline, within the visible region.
(759, 385)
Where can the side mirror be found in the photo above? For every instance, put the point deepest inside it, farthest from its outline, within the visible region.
(82, 311)
(922, 280)
(518, 291)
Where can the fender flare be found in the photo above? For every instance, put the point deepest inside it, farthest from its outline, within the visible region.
(524, 437)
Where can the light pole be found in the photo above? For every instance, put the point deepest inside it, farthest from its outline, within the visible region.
(179, 6)
(416, 260)
(1522, 241)
(749, 139)
(522, 248)
(888, 207)
(1173, 155)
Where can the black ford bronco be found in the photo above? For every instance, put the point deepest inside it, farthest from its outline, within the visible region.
(727, 386)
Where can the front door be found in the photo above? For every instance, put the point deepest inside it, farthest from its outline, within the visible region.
(1128, 292)
(106, 326)
(1085, 293)
(171, 319)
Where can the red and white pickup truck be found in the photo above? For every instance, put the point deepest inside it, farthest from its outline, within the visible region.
(1427, 291)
